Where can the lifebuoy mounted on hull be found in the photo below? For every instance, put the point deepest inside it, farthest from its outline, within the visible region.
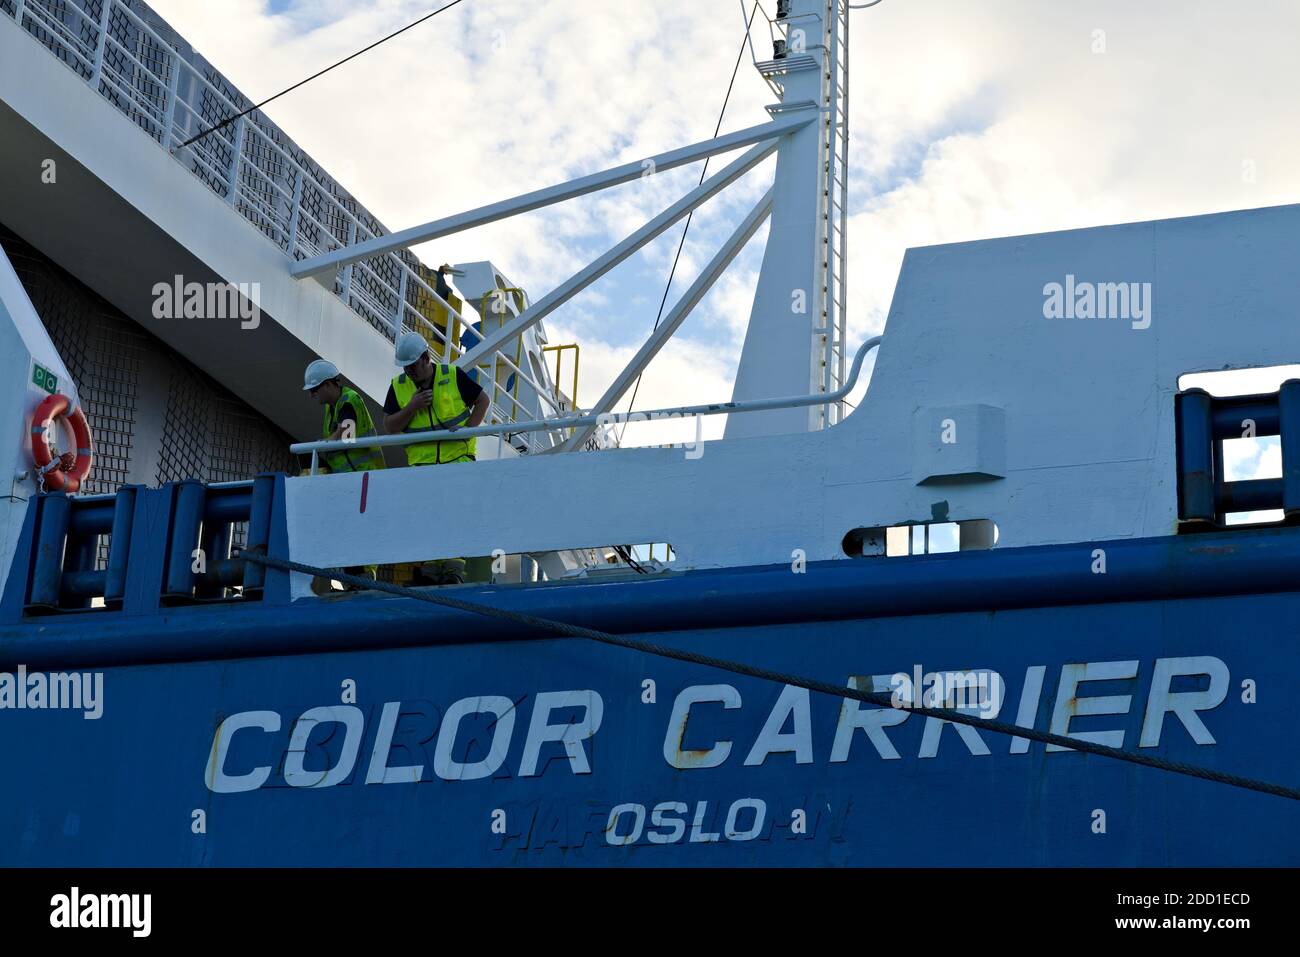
(66, 472)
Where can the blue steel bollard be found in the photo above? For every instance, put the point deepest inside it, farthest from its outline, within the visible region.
(259, 532)
(119, 547)
(1193, 411)
(47, 565)
(1288, 400)
(187, 516)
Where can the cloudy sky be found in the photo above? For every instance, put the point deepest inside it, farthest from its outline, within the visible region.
(970, 119)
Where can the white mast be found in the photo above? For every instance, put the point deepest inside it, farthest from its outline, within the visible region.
(795, 342)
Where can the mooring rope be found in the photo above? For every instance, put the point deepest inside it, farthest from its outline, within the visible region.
(880, 699)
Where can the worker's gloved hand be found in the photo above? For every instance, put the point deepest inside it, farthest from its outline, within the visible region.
(422, 399)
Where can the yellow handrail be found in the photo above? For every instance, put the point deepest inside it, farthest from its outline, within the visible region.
(519, 297)
(483, 302)
(668, 552)
(559, 364)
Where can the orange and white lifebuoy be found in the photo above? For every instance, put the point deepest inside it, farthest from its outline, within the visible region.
(68, 471)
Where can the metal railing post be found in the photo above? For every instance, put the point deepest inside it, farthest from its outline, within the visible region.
(294, 213)
(169, 105)
(18, 13)
(347, 273)
(236, 160)
(401, 300)
(102, 43)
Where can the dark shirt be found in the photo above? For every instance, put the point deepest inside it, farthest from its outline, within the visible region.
(345, 413)
(469, 392)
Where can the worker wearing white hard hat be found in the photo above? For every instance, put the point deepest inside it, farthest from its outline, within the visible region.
(346, 419)
(433, 397)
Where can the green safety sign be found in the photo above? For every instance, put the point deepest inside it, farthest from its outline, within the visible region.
(43, 378)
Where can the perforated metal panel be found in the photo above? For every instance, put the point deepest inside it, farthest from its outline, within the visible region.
(69, 28)
(213, 436)
(181, 451)
(138, 63)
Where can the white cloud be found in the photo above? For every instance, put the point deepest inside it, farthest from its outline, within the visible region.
(1257, 381)
(999, 119)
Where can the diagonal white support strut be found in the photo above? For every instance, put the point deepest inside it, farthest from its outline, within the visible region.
(703, 283)
(329, 263)
(581, 280)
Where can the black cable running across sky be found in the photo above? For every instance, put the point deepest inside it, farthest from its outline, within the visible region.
(703, 173)
(257, 106)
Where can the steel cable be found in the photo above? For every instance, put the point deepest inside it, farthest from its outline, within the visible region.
(879, 699)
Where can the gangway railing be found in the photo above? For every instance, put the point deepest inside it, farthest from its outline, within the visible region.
(579, 419)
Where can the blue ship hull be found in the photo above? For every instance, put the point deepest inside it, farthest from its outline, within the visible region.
(311, 732)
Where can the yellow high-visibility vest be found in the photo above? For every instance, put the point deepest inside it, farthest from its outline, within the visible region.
(446, 410)
(360, 459)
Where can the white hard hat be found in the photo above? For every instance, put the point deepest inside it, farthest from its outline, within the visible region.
(410, 346)
(322, 370)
